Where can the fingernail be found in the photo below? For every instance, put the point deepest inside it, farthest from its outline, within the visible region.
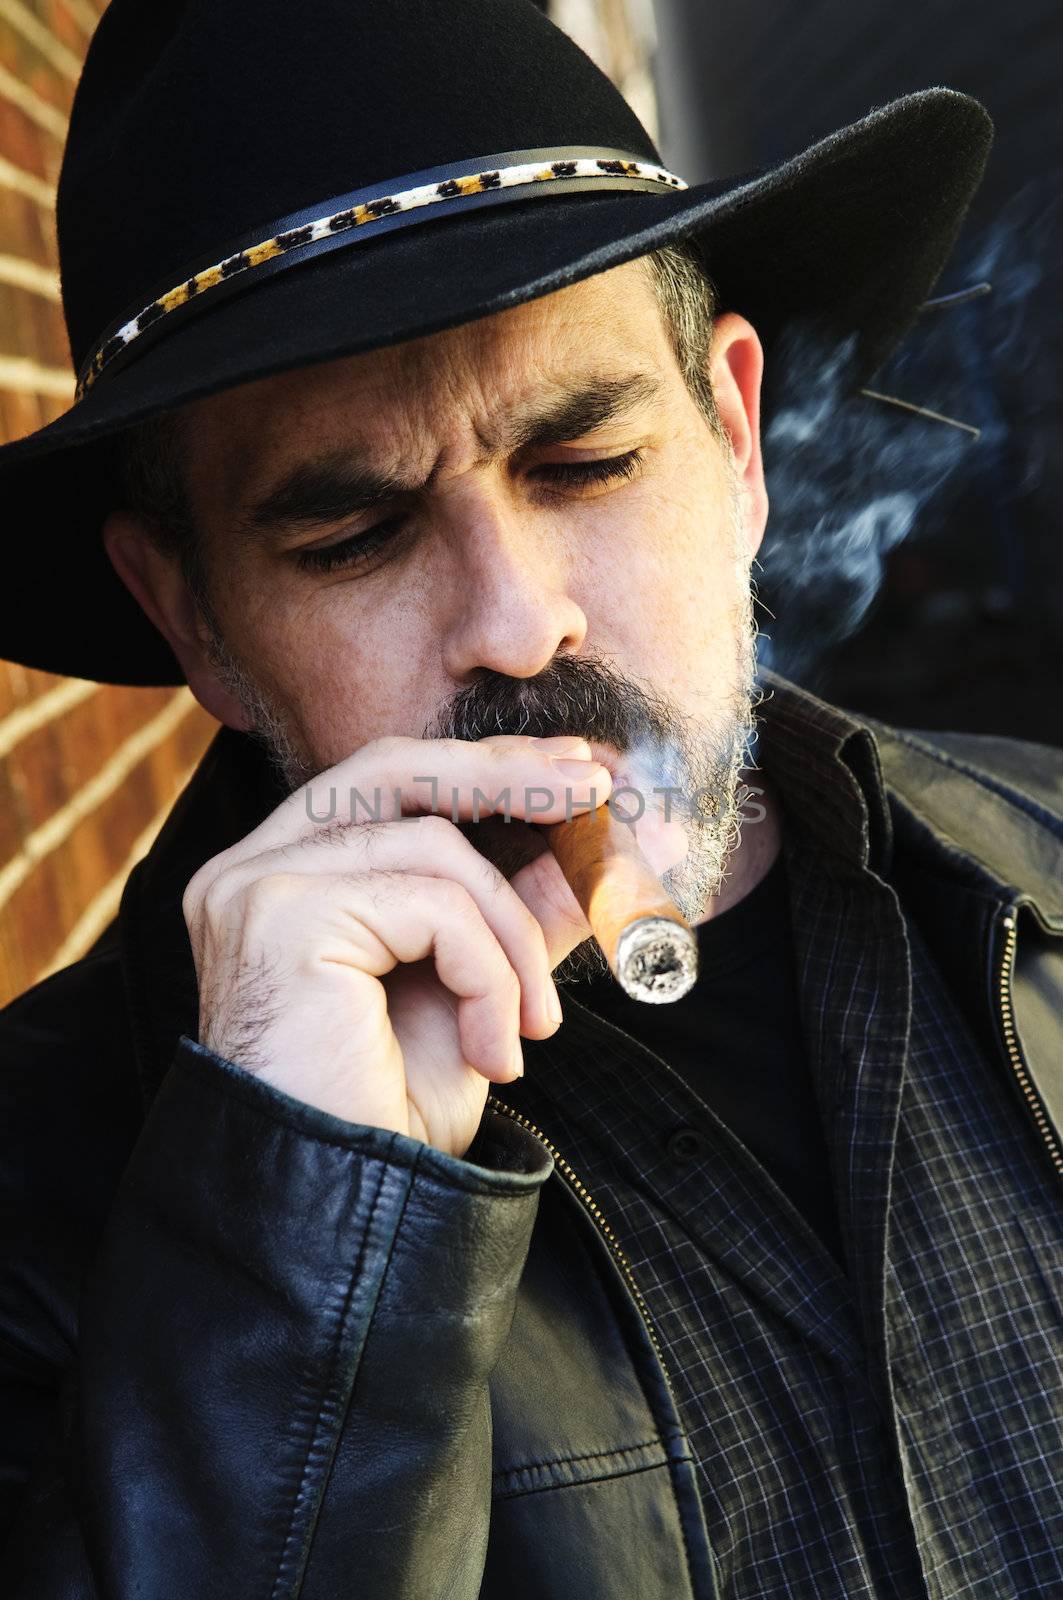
(553, 1005)
(518, 1062)
(562, 744)
(581, 770)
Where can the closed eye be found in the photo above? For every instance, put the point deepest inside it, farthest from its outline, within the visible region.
(359, 548)
(566, 473)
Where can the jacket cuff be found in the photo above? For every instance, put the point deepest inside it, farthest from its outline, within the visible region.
(286, 1342)
(503, 1157)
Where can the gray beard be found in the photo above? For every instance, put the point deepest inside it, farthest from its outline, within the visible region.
(588, 696)
(268, 724)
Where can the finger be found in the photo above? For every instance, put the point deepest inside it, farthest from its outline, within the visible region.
(430, 847)
(506, 774)
(545, 891)
(385, 919)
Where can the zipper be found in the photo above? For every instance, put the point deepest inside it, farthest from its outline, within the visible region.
(595, 1211)
(1033, 1100)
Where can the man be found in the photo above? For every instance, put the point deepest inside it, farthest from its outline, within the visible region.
(752, 1295)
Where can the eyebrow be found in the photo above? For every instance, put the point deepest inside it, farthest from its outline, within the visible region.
(337, 484)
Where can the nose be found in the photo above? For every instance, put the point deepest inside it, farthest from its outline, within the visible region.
(512, 610)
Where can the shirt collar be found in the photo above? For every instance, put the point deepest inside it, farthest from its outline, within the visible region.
(825, 765)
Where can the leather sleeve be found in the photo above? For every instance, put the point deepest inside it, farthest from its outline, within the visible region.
(280, 1380)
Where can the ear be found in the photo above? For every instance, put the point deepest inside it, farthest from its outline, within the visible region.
(736, 363)
(157, 584)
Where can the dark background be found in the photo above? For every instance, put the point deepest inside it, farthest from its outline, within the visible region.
(965, 627)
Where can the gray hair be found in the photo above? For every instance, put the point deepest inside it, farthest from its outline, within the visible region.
(689, 305)
(150, 454)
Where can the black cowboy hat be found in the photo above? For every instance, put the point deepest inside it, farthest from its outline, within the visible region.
(255, 185)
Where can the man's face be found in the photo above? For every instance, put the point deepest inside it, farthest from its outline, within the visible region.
(419, 540)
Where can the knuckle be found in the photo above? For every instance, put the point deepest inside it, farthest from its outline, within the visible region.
(454, 901)
(385, 749)
(214, 897)
(436, 831)
(264, 896)
(191, 897)
(198, 888)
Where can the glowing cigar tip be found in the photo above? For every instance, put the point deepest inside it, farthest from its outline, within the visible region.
(657, 960)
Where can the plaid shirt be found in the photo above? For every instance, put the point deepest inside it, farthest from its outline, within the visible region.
(897, 1429)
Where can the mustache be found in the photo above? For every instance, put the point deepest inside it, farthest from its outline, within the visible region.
(581, 695)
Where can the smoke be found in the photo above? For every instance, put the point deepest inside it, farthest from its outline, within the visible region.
(847, 479)
(851, 476)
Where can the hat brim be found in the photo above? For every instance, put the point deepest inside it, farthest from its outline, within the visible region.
(853, 232)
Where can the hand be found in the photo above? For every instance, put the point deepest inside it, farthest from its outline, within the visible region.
(384, 970)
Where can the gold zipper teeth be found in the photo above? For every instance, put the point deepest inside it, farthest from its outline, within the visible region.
(1030, 1094)
(1033, 1100)
(591, 1205)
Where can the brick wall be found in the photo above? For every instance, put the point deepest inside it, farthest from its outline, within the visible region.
(621, 37)
(87, 772)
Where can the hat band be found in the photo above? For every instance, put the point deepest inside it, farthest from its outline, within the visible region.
(366, 212)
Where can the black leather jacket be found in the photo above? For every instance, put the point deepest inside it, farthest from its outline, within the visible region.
(250, 1350)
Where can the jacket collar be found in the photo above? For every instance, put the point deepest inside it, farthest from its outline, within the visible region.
(972, 809)
(968, 820)
(962, 796)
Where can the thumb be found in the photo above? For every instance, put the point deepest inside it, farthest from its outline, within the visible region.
(544, 889)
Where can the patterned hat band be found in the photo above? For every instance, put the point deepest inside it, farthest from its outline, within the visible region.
(486, 180)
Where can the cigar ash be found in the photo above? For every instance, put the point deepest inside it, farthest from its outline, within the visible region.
(657, 960)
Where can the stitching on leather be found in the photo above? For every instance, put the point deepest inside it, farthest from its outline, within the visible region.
(566, 1461)
(1022, 802)
(329, 1380)
(580, 1483)
(200, 1073)
(678, 1491)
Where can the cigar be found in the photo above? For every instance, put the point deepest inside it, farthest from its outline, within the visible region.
(651, 949)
